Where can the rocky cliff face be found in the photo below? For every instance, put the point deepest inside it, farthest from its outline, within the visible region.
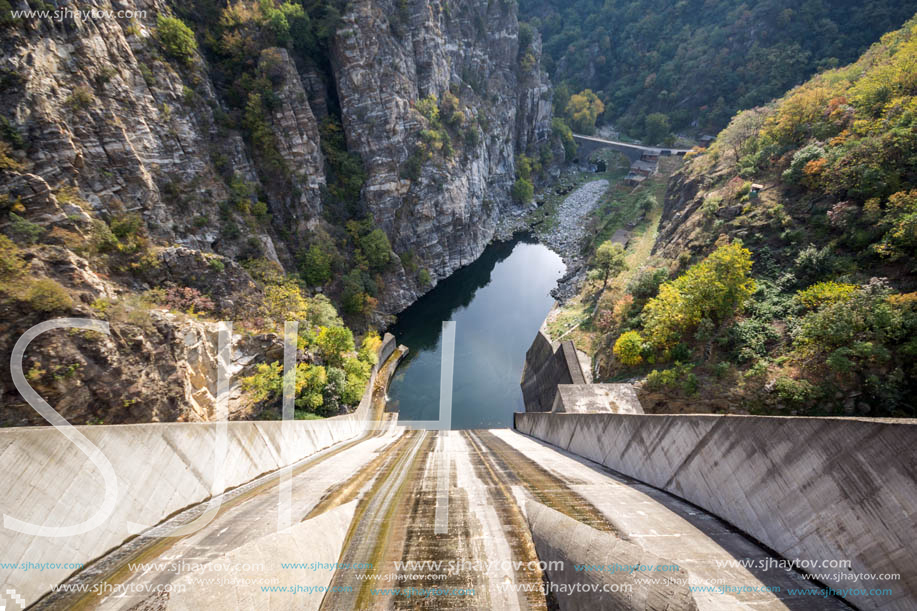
(112, 131)
(105, 111)
(446, 213)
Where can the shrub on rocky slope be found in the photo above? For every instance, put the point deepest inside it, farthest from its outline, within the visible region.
(819, 186)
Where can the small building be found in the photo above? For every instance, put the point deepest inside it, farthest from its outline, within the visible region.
(622, 237)
(651, 156)
(633, 179)
(755, 189)
(646, 168)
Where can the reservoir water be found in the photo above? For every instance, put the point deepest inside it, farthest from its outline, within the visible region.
(498, 303)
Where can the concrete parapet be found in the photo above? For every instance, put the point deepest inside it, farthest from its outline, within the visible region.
(546, 366)
(388, 347)
(561, 539)
(813, 489)
(596, 398)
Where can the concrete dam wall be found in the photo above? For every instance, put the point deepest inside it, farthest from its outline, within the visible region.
(546, 366)
(808, 488)
(554, 380)
(160, 469)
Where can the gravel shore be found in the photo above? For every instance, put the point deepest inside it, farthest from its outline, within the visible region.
(569, 229)
(566, 235)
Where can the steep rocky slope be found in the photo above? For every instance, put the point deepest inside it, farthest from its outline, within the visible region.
(103, 109)
(782, 279)
(117, 150)
(446, 213)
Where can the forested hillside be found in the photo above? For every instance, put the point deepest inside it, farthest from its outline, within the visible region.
(783, 276)
(699, 60)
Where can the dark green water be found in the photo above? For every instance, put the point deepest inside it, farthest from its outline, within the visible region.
(498, 303)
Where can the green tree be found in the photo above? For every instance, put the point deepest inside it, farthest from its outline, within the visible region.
(523, 191)
(320, 312)
(333, 343)
(316, 266)
(347, 171)
(609, 261)
(424, 278)
(376, 248)
(331, 394)
(714, 289)
(177, 39)
(583, 109)
(657, 127)
(866, 341)
(824, 293)
(369, 348)
(628, 348)
(310, 386)
(562, 130)
(284, 302)
(11, 263)
(265, 383)
(524, 167)
(358, 373)
(24, 231)
(901, 219)
(561, 98)
(353, 295)
(429, 108)
(47, 295)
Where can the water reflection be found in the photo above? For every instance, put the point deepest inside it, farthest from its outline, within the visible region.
(498, 303)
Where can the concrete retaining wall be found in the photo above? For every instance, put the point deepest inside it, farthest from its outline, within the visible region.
(809, 488)
(596, 398)
(388, 347)
(160, 468)
(546, 366)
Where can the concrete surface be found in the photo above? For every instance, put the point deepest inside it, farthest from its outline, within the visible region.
(248, 514)
(596, 398)
(668, 527)
(399, 481)
(558, 537)
(320, 537)
(823, 489)
(160, 469)
(547, 365)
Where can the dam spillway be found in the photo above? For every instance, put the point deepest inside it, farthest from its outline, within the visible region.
(566, 510)
(378, 496)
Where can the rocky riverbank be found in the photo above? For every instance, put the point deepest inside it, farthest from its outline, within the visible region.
(563, 230)
(567, 233)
